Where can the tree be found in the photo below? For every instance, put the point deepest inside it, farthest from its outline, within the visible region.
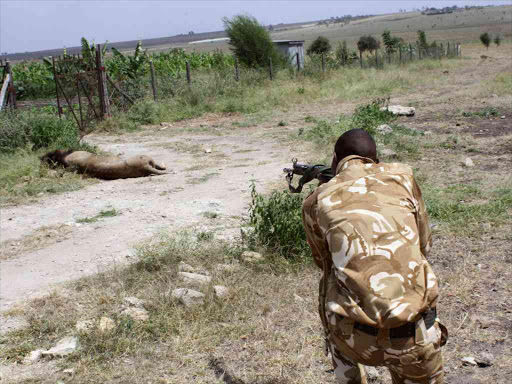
(319, 45)
(497, 40)
(342, 52)
(422, 40)
(485, 38)
(390, 42)
(368, 43)
(251, 42)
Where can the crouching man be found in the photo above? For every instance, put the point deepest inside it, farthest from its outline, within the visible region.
(368, 230)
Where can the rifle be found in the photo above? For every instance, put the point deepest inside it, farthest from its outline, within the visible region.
(308, 172)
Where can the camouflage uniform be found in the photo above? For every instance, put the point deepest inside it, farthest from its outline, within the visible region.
(369, 224)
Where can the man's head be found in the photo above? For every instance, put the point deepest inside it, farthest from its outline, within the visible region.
(354, 142)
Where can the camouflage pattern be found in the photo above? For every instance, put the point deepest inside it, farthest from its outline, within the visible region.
(413, 360)
(370, 225)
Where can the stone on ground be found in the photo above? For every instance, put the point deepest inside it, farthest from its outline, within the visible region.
(33, 356)
(137, 314)
(106, 324)
(399, 110)
(64, 347)
(388, 153)
(133, 302)
(384, 129)
(250, 256)
(194, 277)
(468, 162)
(84, 325)
(188, 296)
(184, 267)
(220, 290)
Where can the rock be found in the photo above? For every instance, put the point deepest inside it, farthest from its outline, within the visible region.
(372, 374)
(84, 325)
(485, 359)
(227, 267)
(251, 256)
(468, 162)
(64, 347)
(220, 290)
(106, 324)
(427, 133)
(137, 314)
(207, 150)
(133, 302)
(388, 153)
(187, 296)
(469, 360)
(502, 117)
(298, 299)
(194, 277)
(184, 267)
(399, 110)
(33, 356)
(384, 129)
(69, 371)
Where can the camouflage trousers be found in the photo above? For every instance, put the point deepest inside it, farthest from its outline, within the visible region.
(412, 360)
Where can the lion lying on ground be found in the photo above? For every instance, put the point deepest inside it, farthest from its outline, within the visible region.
(105, 167)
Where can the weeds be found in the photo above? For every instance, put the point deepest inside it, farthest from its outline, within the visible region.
(370, 116)
(101, 215)
(486, 113)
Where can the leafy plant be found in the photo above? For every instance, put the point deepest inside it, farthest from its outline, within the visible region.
(390, 42)
(497, 40)
(251, 42)
(132, 67)
(320, 45)
(277, 222)
(370, 116)
(368, 43)
(485, 38)
(422, 40)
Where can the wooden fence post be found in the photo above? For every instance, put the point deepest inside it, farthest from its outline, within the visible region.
(189, 78)
(153, 78)
(361, 58)
(459, 51)
(410, 52)
(12, 92)
(3, 90)
(102, 80)
(298, 61)
(400, 50)
(56, 87)
(270, 69)
(323, 63)
(237, 70)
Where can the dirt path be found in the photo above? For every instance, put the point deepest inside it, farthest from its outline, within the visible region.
(202, 192)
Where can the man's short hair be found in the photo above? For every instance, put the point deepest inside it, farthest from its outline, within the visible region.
(356, 142)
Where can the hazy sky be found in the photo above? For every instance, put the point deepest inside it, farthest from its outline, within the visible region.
(41, 24)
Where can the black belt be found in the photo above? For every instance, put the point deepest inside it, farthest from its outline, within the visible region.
(406, 330)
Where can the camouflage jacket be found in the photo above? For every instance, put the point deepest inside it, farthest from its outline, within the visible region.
(369, 223)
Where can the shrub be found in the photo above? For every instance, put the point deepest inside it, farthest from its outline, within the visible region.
(38, 129)
(342, 53)
(369, 116)
(320, 45)
(390, 42)
(485, 38)
(368, 43)
(251, 42)
(277, 222)
(497, 40)
(422, 40)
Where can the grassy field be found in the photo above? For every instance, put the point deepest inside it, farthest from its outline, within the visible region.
(266, 330)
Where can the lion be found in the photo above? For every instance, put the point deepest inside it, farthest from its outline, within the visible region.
(105, 167)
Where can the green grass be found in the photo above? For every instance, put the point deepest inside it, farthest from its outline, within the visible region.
(24, 178)
(101, 215)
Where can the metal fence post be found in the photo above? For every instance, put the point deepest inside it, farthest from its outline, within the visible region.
(153, 78)
(270, 69)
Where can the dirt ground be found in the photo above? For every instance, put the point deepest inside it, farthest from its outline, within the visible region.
(211, 162)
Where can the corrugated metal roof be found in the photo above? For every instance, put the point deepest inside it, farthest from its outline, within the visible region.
(289, 41)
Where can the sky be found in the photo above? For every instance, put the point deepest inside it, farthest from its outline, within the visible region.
(43, 24)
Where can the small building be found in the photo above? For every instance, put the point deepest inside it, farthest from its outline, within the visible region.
(290, 48)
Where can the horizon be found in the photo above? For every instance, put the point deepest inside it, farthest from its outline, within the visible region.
(21, 29)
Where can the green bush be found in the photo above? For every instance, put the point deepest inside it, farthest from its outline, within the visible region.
(251, 42)
(38, 129)
(277, 223)
(369, 116)
(320, 45)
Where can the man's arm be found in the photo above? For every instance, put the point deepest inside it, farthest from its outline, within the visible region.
(424, 231)
(314, 234)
